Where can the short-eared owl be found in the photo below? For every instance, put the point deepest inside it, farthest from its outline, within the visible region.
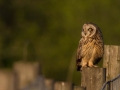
(90, 48)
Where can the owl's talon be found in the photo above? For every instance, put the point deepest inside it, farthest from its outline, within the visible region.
(83, 67)
(93, 66)
(90, 64)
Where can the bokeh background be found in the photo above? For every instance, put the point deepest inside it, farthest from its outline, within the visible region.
(48, 31)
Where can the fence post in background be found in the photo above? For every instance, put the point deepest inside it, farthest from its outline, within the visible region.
(93, 78)
(7, 80)
(49, 84)
(63, 86)
(79, 88)
(27, 72)
(111, 61)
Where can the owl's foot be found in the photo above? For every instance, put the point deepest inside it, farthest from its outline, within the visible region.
(90, 64)
(93, 66)
(83, 67)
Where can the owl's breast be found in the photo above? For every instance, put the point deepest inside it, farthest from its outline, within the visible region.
(87, 49)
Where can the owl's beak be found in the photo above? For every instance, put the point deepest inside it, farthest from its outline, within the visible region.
(85, 33)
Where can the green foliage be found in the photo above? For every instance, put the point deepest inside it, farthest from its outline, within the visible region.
(51, 28)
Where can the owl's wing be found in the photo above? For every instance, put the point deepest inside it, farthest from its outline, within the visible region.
(78, 56)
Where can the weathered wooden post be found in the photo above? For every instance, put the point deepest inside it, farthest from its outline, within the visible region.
(63, 86)
(8, 80)
(79, 88)
(111, 61)
(93, 78)
(49, 83)
(27, 72)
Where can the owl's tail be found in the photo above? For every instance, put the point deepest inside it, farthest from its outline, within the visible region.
(78, 64)
(79, 68)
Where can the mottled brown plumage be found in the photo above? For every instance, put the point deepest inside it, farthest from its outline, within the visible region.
(91, 47)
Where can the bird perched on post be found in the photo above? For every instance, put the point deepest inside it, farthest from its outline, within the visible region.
(91, 47)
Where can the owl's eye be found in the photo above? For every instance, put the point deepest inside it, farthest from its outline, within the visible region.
(90, 29)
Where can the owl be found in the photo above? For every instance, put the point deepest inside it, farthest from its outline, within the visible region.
(91, 46)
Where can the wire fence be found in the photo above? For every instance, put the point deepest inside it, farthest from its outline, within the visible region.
(113, 84)
(39, 84)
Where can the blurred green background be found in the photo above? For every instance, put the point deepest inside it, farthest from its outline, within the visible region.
(48, 31)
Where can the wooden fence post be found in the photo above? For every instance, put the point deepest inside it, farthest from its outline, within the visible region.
(111, 61)
(49, 83)
(8, 80)
(79, 88)
(93, 78)
(63, 86)
(27, 72)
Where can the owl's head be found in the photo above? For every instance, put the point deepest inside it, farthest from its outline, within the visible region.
(89, 30)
